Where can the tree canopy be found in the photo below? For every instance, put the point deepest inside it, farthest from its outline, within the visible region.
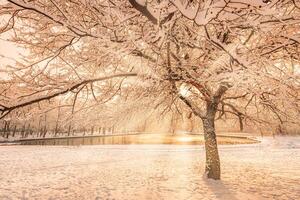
(181, 50)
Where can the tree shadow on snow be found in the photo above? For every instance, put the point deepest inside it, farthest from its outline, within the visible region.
(220, 190)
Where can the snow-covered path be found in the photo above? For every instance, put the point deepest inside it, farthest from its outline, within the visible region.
(269, 170)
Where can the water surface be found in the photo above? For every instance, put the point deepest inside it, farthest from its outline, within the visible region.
(178, 139)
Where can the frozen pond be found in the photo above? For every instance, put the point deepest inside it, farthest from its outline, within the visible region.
(178, 139)
(267, 170)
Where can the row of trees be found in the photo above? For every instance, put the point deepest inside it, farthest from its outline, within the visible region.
(212, 58)
(17, 130)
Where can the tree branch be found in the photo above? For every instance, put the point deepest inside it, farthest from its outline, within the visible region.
(145, 10)
(192, 106)
(7, 109)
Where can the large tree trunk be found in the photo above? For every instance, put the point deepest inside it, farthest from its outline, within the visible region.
(212, 168)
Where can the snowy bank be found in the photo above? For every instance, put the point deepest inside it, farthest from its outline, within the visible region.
(267, 170)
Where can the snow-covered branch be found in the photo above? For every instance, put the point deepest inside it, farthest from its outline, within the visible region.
(5, 110)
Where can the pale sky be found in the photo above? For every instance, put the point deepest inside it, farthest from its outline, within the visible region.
(7, 49)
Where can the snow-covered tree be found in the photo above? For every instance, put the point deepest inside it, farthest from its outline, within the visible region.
(213, 57)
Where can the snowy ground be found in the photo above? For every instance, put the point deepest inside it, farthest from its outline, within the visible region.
(269, 170)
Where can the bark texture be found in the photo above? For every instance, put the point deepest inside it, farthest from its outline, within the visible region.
(212, 168)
